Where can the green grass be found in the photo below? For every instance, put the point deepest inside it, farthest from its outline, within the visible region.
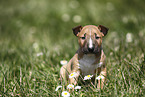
(33, 26)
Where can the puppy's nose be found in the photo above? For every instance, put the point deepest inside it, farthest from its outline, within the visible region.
(91, 49)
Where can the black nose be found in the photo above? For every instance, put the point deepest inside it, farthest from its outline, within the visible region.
(91, 49)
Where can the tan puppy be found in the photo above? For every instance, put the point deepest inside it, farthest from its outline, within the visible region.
(90, 57)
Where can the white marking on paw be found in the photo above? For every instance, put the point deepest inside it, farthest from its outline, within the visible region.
(99, 64)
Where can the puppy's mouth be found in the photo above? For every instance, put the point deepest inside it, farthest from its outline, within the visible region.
(91, 50)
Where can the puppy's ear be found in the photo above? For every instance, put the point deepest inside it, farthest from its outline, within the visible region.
(77, 29)
(103, 29)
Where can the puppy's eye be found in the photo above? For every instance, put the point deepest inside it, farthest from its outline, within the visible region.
(97, 37)
(83, 37)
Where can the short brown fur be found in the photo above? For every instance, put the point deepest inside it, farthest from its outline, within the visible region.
(85, 34)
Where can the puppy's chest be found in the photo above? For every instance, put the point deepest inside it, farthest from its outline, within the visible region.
(88, 64)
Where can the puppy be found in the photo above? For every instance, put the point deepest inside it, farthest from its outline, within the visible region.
(89, 58)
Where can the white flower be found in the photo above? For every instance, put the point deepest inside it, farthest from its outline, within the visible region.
(100, 77)
(65, 94)
(88, 77)
(39, 54)
(58, 88)
(129, 37)
(116, 48)
(70, 86)
(78, 87)
(77, 19)
(72, 75)
(125, 19)
(65, 17)
(63, 62)
(35, 45)
(74, 4)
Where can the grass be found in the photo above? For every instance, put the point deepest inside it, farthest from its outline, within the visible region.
(31, 27)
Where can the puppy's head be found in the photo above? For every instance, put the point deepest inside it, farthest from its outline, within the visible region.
(90, 37)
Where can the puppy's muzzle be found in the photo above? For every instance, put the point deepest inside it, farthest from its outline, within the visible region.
(91, 50)
(88, 50)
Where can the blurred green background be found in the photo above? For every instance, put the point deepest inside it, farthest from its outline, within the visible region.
(29, 27)
(47, 23)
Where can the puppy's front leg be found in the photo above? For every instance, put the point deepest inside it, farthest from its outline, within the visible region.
(102, 73)
(75, 69)
(75, 78)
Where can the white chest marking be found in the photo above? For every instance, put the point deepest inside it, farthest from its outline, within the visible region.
(87, 66)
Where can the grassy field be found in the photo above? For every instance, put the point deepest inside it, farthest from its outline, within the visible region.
(35, 35)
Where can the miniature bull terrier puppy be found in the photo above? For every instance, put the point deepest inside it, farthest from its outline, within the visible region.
(89, 58)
